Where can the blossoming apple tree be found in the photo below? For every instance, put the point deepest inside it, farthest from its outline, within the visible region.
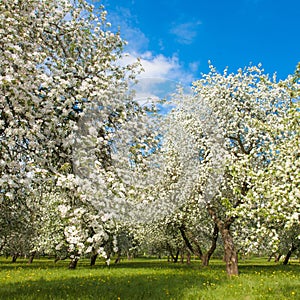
(64, 101)
(273, 203)
(216, 131)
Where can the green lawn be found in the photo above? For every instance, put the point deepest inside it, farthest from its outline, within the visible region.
(147, 279)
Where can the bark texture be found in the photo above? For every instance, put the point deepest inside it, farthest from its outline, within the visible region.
(230, 253)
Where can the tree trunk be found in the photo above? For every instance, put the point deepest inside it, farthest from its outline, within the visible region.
(188, 244)
(205, 260)
(206, 257)
(14, 257)
(118, 259)
(93, 258)
(277, 257)
(175, 258)
(31, 257)
(182, 256)
(73, 263)
(186, 240)
(270, 257)
(288, 255)
(188, 257)
(230, 253)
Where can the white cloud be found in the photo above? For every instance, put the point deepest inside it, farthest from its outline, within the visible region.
(162, 74)
(159, 67)
(185, 33)
(161, 77)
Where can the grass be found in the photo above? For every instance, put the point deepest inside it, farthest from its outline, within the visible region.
(147, 279)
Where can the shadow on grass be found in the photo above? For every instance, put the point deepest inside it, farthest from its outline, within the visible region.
(107, 286)
(268, 268)
(43, 263)
(6, 264)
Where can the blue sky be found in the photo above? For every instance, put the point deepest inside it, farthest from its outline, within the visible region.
(176, 38)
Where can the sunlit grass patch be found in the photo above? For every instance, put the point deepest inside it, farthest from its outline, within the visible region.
(147, 279)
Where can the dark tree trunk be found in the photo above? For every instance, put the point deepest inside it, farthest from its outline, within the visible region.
(288, 255)
(170, 252)
(188, 244)
(14, 257)
(270, 257)
(188, 257)
(31, 257)
(175, 259)
(277, 257)
(93, 258)
(230, 253)
(186, 240)
(172, 256)
(182, 256)
(73, 263)
(206, 257)
(118, 259)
